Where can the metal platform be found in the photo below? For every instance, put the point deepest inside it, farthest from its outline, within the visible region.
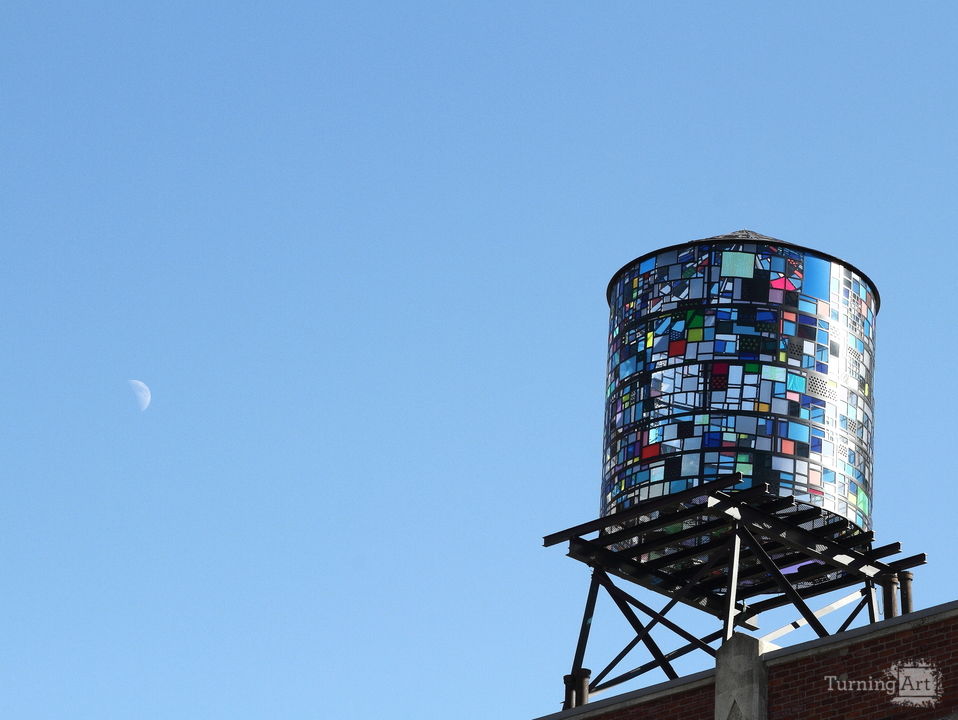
(719, 552)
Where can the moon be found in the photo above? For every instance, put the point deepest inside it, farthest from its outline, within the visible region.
(142, 393)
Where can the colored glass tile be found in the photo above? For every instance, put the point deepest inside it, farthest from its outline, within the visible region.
(738, 264)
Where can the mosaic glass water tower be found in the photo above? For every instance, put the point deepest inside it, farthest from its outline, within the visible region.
(741, 353)
(738, 450)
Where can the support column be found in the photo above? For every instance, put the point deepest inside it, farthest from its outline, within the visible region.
(581, 682)
(741, 679)
(890, 596)
(905, 577)
(569, 702)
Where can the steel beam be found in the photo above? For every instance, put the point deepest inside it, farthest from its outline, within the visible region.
(642, 508)
(637, 625)
(586, 626)
(735, 552)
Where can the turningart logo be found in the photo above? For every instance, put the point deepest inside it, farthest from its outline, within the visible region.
(916, 683)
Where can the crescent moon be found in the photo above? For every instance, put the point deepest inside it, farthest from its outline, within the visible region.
(142, 393)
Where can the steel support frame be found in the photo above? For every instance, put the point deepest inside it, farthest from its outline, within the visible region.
(750, 529)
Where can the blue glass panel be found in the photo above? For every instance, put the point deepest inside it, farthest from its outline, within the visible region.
(817, 276)
(797, 431)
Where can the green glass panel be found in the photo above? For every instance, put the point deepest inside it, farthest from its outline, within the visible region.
(737, 264)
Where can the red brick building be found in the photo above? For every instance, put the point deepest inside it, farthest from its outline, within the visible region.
(904, 668)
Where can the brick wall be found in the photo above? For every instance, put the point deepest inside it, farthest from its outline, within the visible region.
(689, 705)
(798, 686)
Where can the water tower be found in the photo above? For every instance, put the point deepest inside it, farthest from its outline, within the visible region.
(738, 445)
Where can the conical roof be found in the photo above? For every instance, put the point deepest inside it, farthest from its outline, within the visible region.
(744, 235)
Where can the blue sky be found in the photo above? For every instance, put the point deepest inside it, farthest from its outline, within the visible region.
(359, 253)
